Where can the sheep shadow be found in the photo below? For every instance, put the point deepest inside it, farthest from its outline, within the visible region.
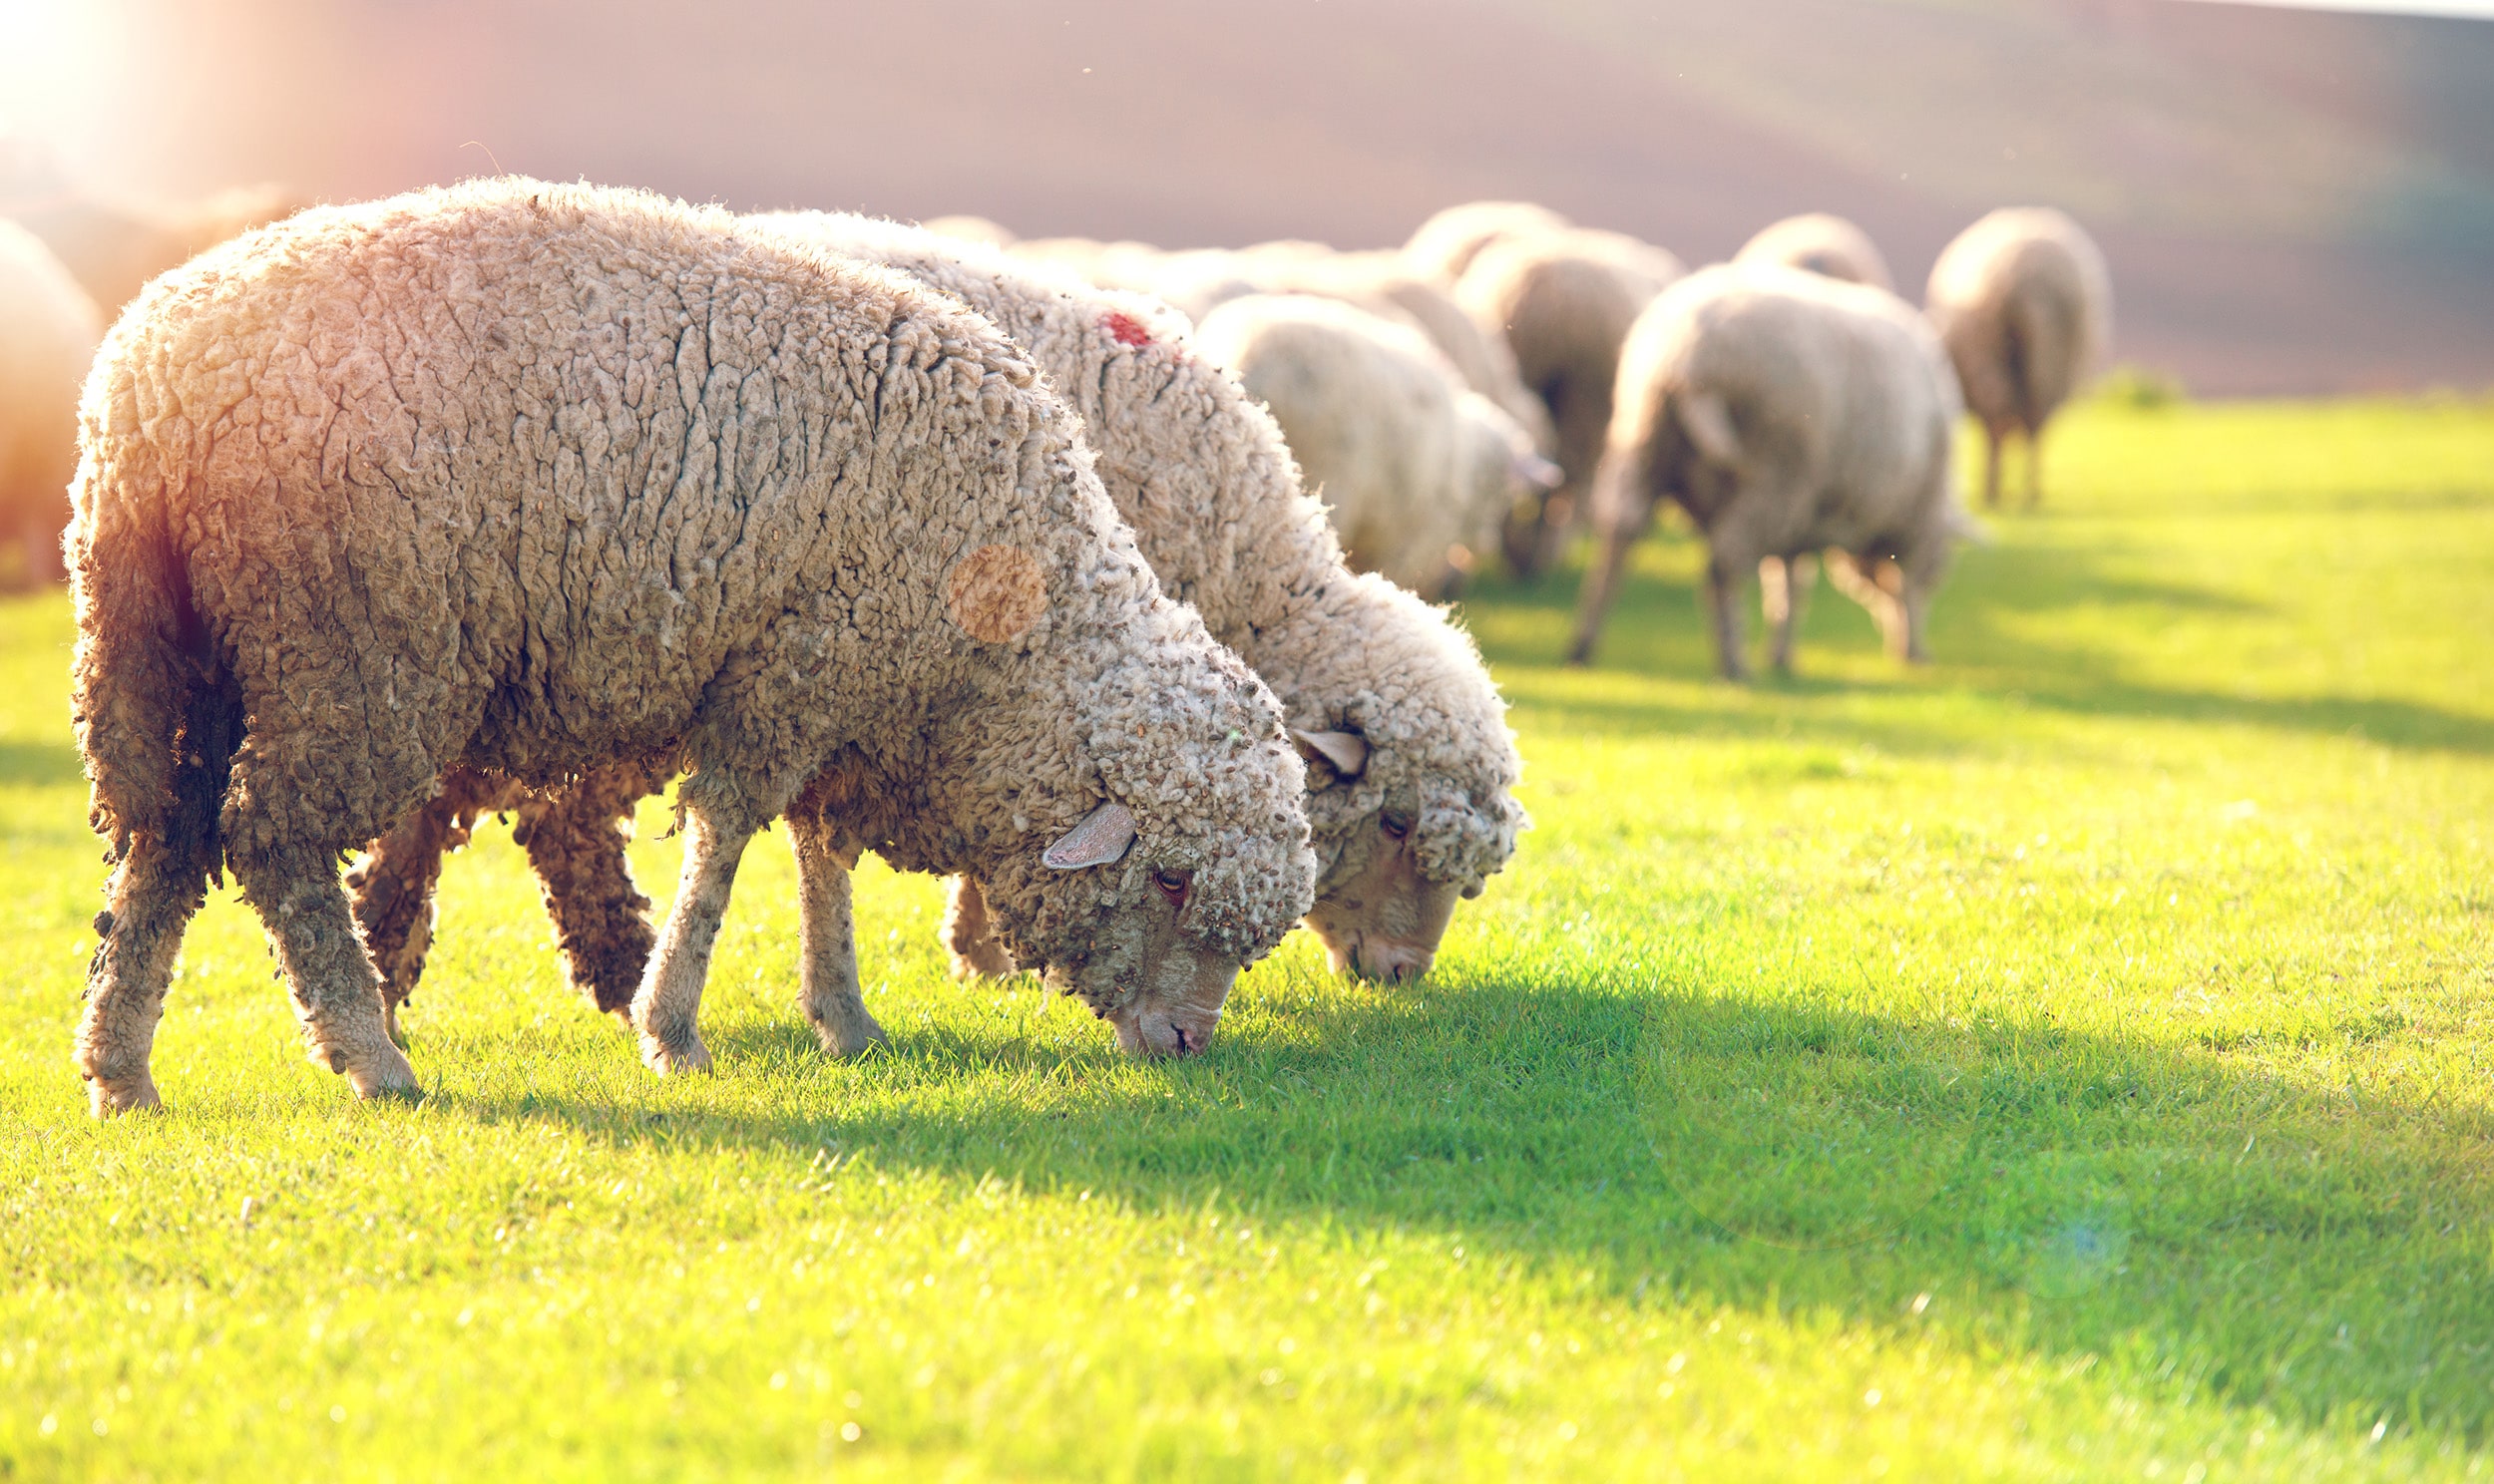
(1658, 628)
(1987, 1182)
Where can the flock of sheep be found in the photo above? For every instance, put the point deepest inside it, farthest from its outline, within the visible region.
(1002, 559)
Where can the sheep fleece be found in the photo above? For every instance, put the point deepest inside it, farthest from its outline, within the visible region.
(533, 478)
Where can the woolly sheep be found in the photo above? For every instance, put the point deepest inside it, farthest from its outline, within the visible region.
(1411, 767)
(1375, 418)
(1820, 243)
(1444, 246)
(2024, 303)
(48, 333)
(1787, 413)
(1563, 301)
(534, 479)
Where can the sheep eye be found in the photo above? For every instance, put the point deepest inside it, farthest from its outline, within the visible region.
(1173, 884)
(1396, 826)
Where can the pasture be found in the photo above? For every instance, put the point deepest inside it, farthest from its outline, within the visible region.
(2071, 1059)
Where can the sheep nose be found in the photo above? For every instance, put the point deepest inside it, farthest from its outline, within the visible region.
(1156, 1032)
(1391, 962)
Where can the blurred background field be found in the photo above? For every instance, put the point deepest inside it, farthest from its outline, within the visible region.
(2295, 202)
(2070, 1060)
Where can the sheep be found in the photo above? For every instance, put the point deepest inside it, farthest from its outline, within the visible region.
(1410, 764)
(48, 333)
(1563, 301)
(1821, 243)
(1787, 413)
(2023, 302)
(1444, 246)
(536, 479)
(1410, 471)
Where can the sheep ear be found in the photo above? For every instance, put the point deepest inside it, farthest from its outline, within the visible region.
(1104, 837)
(1708, 425)
(1346, 753)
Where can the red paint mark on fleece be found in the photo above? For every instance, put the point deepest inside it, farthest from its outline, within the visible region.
(1125, 327)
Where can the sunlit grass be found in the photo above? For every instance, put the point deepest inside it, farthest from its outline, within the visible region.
(2072, 1059)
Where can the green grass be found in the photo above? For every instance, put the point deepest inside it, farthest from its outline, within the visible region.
(2074, 1059)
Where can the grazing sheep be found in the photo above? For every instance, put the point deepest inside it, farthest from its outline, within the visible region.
(1563, 301)
(1411, 765)
(1444, 246)
(1821, 243)
(2024, 303)
(48, 333)
(1373, 414)
(1787, 414)
(537, 479)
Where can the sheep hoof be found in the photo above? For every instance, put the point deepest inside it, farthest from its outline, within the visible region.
(384, 1073)
(666, 1061)
(852, 1041)
(123, 1095)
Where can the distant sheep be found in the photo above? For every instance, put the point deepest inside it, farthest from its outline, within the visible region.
(1563, 301)
(48, 333)
(1413, 468)
(1411, 765)
(536, 479)
(111, 248)
(971, 230)
(1820, 243)
(1444, 246)
(2023, 302)
(1787, 414)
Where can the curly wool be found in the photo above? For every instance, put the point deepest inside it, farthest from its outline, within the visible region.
(540, 477)
(1214, 498)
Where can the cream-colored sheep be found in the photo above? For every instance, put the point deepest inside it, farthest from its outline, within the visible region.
(540, 479)
(1377, 419)
(1821, 243)
(1563, 301)
(1410, 764)
(2023, 302)
(1444, 246)
(48, 333)
(971, 230)
(1787, 414)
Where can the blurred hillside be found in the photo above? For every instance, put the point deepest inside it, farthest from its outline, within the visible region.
(2292, 200)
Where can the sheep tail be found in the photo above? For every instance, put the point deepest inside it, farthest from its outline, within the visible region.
(158, 712)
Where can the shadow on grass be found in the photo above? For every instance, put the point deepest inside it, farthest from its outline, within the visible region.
(1659, 629)
(1998, 1187)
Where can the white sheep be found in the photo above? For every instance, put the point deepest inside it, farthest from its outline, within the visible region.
(1411, 473)
(1787, 414)
(537, 479)
(1410, 764)
(2023, 302)
(48, 333)
(1821, 243)
(1563, 301)
(1444, 246)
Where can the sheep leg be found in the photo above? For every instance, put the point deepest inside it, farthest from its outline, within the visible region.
(970, 934)
(668, 1008)
(1992, 467)
(2034, 468)
(391, 887)
(336, 991)
(827, 936)
(1723, 580)
(153, 898)
(575, 840)
(1784, 587)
